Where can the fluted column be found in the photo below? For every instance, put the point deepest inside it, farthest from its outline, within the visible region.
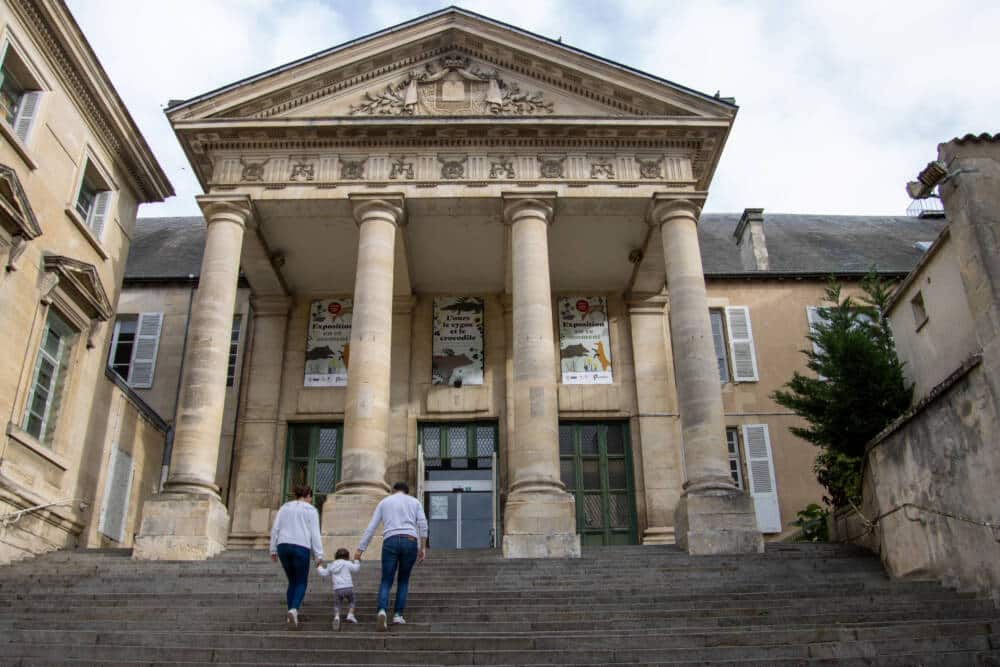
(713, 516)
(366, 414)
(539, 518)
(189, 520)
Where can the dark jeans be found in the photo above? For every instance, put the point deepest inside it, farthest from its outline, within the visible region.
(295, 560)
(397, 551)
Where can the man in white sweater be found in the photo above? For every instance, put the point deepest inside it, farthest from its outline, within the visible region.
(404, 543)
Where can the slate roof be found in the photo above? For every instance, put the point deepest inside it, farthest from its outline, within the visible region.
(166, 249)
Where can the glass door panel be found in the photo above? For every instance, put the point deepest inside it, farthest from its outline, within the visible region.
(313, 458)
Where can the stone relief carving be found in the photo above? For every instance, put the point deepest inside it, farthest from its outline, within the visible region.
(650, 168)
(92, 333)
(352, 170)
(401, 169)
(49, 284)
(502, 169)
(602, 168)
(253, 171)
(452, 86)
(303, 169)
(452, 169)
(17, 249)
(551, 167)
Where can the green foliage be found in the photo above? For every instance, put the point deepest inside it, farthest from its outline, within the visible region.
(857, 389)
(812, 523)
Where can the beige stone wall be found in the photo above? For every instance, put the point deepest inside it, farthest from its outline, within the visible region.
(173, 301)
(933, 348)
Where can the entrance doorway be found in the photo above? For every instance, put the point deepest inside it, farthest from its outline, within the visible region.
(313, 457)
(595, 463)
(457, 478)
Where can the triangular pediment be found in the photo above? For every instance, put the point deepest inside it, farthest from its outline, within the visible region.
(81, 281)
(15, 210)
(451, 63)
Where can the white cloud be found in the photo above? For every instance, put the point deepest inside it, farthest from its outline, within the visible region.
(840, 103)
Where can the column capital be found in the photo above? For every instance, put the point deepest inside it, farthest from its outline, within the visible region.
(387, 206)
(539, 205)
(217, 208)
(666, 206)
(271, 306)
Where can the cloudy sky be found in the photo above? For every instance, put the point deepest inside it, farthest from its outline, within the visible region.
(840, 102)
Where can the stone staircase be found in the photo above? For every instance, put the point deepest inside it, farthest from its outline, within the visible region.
(796, 604)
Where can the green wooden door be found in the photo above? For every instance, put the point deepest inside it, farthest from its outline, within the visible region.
(596, 467)
(313, 457)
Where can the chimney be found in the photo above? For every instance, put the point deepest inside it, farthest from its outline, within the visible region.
(750, 240)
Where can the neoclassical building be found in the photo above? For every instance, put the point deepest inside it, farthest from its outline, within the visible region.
(467, 256)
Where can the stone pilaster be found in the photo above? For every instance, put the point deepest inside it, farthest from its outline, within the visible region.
(255, 453)
(366, 415)
(188, 520)
(539, 516)
(713, 516)
(659, 428)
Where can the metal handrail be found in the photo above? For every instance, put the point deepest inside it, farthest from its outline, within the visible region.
(13, 517)
(993, 526)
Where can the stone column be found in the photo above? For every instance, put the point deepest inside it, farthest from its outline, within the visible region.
(188, 520)
(366, 414)
(713, 516)
(659, 427)
(255, 452)
(539, 516)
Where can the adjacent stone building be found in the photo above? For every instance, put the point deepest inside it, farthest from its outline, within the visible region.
(80, 451)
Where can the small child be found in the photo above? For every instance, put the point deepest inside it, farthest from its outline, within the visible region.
(343, 586)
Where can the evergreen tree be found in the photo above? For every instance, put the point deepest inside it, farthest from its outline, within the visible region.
(857, 390)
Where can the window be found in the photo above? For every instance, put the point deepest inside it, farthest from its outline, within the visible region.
(49, 378)
(134, 346)
(733, 444)
(93, 199)
(234, 342)
(919, 311)
(19, 93)
(732, 337)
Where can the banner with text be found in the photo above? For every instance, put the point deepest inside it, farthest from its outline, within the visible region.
(457, 347)
(328, 344)
(584, 341)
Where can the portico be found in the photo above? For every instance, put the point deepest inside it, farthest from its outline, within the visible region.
(438, 230)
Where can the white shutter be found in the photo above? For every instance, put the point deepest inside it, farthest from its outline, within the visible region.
(147, 342)
(814, 318)
(117, 493)
(760, 471)
(99, 213)
(741, 344)
(26, 113)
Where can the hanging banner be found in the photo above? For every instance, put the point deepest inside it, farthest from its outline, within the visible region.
(584, 341)
(457, 346)
(328, 344)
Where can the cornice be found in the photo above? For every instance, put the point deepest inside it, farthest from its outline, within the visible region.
(74, 62)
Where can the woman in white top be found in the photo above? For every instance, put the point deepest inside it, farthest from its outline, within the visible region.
(295, 533)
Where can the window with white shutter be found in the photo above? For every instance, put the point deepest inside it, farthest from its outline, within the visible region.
(20, 92)
(814, 318)
(93, 199)
(147, 342)
(760, 476)
(117, 492)
(26, 114)
(741, 347)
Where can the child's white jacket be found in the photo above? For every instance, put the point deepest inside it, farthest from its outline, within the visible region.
(341, 571)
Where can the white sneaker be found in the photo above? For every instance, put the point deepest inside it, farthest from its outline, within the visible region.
(293, 618)
(397, 619)
(351, 618)
(336, 622)
(380, 621)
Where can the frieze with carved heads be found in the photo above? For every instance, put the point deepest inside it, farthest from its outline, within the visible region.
(551, 167)
(651, 169)
(602, 168)
(452, 86)
(502, 169)
(352, 170)
(452, 168)
(253, 171)
(401, 169)
(303, 170)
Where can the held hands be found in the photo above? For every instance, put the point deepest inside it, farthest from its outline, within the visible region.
(358, 554)
(274, 558)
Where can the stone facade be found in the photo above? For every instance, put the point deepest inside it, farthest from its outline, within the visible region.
(74, 170)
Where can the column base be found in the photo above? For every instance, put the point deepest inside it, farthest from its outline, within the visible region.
(540, 526)
(717, 524)
(663, 535)
(178, 526)
(345, 517)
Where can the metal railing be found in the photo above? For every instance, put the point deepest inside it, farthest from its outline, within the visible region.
(993, 526)
(10, 519)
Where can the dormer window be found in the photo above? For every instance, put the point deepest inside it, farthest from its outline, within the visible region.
(19, 93)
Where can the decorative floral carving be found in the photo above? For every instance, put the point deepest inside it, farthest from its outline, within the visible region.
(401, 169)
(304, 170)
(452, 169)
(449, 87)
(650, 168)
(502, 169)
(253, 171)
(551, 167)
(601, 168)
(352, 170)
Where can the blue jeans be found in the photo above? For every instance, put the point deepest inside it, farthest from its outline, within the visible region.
(295, 560)
(397, 551)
